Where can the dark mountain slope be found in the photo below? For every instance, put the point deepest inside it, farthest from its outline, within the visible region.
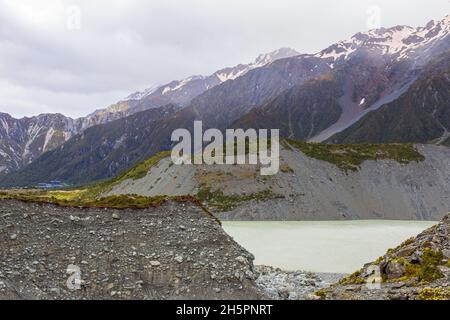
(305, 111)
(222, 105)
(299, 112)
(421, 114)
(99, 152)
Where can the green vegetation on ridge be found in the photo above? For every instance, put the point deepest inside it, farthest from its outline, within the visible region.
(351, 156)
(218, 201)
(140, 170)
(91, 196)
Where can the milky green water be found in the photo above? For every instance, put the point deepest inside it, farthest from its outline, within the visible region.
(321, 246)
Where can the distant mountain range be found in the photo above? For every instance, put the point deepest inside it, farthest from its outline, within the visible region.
(181, 92)
(384, 85)
(23, 140)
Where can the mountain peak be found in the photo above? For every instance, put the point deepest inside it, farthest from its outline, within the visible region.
(270, 57)
(446, 19)
(261, 61)
(401, 40)
(220, 76)
(140, 94)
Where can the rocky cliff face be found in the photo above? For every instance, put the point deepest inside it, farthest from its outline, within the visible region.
(417, 269)
(24, 140)
(315, 182)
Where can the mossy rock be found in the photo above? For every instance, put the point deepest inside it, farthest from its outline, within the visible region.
(321, 294)
(222, 203)
(354, 278)
(426, 271)
(434, 294)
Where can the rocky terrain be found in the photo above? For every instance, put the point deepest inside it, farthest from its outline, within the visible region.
(173, 251)
(293, 285)
(23, 140)
(417, 269)
(315, 182)
(176, 250)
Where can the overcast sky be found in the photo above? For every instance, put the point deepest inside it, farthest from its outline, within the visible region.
(76, 56)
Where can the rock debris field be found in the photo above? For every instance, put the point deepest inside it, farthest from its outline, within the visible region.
(174, 251)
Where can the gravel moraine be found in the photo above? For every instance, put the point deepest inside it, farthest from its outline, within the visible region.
(175, 251)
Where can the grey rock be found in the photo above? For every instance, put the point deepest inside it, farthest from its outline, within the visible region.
(155, 263)
(116, 216)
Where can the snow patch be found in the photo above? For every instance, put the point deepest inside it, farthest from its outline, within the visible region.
(48, 138)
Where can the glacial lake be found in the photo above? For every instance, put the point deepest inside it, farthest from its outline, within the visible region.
(321, 246)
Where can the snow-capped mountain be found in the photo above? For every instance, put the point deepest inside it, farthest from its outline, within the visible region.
(399, 42)
(138, 95)
(368, 71)
(261, 61)
(181, 92)
(219, 76)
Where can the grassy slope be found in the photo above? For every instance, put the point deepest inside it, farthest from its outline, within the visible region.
(351, 156)
(90, 196)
